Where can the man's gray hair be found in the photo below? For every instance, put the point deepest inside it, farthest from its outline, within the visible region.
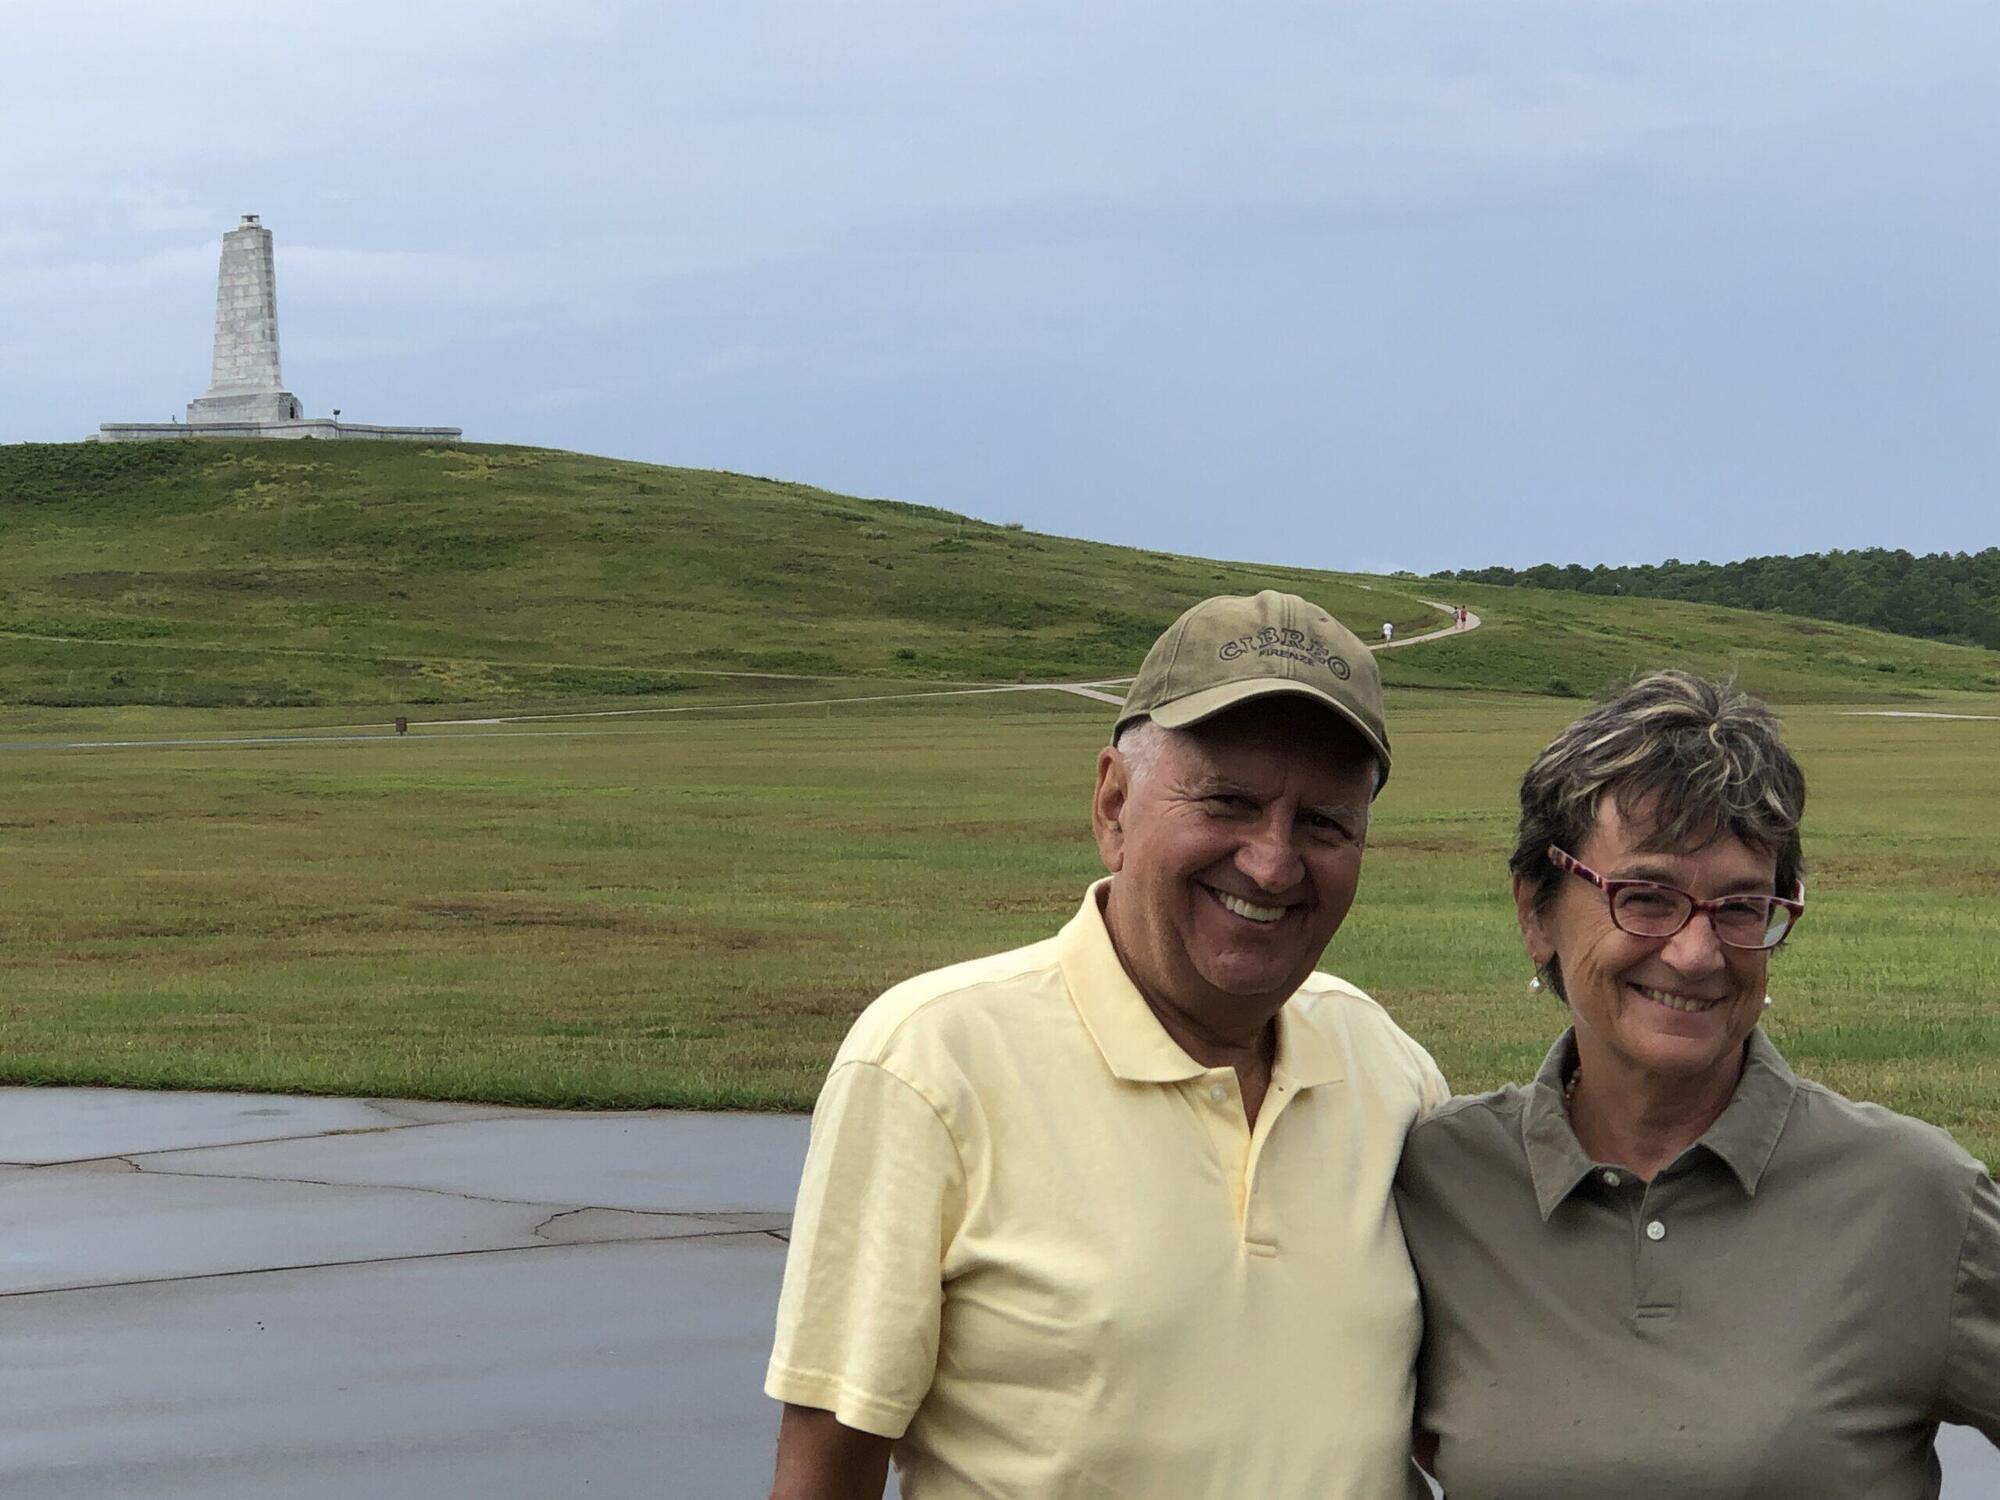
(1708, 758)
(1140, 743)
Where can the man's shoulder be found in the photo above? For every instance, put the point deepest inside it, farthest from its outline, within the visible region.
(1001, 991)
(1362, 1030)
(1328, 995)
(1346, 1012)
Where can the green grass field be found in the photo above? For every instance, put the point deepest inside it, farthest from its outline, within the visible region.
(688, 909)
(759, 799)
(315, 575)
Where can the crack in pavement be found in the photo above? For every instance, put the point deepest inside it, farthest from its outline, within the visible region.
(729, 1216)
(484, 1111)
(271, 1140)
(566, 1213)
(381, 1260)
(80, 1164)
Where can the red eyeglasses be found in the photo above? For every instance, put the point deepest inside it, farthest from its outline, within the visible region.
(1645, 908)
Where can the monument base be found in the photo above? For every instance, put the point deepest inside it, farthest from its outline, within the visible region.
(307, 427)
(244, 406)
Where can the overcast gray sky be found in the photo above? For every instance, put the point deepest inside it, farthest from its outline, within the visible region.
(1402, 283)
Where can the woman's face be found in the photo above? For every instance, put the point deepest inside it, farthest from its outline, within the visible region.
(1678, 1007)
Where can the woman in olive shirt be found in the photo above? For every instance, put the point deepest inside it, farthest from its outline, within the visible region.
(1668, 1267)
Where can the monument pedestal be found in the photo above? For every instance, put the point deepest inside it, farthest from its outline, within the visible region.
(305, 427)
(241, 407)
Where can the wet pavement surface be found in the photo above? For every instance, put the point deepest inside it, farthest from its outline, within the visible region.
(231, 1296)
(235, 1296)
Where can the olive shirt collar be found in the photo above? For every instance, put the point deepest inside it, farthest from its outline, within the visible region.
(1134, 1045)
(1742, 1138)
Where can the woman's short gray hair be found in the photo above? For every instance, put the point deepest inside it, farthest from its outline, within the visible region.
(1706, 759)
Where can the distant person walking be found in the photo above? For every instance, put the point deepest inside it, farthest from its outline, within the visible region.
(1388, 632)
(1108, 1215)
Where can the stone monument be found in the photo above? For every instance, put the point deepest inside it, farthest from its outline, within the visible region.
(246, 395)
(244, 384)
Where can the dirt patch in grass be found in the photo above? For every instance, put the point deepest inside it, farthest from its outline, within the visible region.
(506, 912)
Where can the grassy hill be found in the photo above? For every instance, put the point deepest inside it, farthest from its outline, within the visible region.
(307, 574)
(684, 908)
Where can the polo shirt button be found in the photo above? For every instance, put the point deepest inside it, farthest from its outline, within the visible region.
(1656, 1230)
(1612, 1179)
(1218, 1092)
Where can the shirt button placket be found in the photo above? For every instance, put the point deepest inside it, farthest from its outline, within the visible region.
(1657, 1287)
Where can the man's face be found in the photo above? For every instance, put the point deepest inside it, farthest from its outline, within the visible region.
(1236, 856)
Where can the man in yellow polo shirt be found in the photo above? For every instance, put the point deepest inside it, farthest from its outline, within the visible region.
(1108, 1217)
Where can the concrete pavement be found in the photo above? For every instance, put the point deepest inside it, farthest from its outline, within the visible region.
(235, 1296)
(232, 1296)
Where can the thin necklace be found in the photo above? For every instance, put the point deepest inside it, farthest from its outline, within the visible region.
(1569, 1089)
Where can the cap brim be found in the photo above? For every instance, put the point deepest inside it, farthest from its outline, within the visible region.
(1196, 708)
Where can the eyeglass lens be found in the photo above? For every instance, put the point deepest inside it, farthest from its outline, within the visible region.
(1657, 911)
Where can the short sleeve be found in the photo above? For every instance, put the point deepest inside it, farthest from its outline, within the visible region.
(881, 1195)
(1435, 1090)
(1972, 1361)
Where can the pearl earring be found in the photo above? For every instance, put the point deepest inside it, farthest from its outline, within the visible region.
(1769, 1002)
(1535, 986)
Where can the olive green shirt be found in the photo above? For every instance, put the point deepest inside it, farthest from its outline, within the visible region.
(1786, 1312)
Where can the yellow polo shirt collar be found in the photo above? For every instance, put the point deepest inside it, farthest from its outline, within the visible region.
(1135, 1047)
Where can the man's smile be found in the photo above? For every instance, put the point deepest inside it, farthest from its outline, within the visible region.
(1247, 909)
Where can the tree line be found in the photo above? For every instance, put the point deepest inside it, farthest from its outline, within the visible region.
(1940, 596)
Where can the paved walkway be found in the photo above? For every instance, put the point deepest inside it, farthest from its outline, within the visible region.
(233, 1296)
(1916, 713)
(1100, 690)
(1472, 622)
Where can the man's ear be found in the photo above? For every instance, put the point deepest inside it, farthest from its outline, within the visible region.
(1534, 931)
(1107, 808)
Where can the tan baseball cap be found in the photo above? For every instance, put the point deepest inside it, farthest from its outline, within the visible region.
(1231, 649)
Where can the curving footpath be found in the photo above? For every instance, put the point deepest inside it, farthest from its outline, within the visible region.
(1097, 689)
(1472, 622)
